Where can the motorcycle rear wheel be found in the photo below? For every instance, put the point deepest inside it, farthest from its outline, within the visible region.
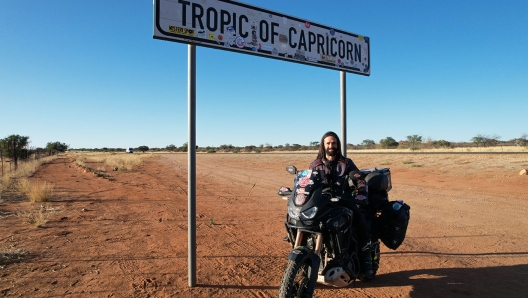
(296, 280)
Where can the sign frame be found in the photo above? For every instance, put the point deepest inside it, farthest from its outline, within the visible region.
(243, 28)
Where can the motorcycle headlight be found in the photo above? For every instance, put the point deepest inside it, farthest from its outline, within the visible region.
(293, 212)
(310, 213)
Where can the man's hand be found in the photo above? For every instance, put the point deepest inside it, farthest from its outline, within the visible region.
(357, 175)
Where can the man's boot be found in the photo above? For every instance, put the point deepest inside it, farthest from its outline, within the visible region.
(365, 260)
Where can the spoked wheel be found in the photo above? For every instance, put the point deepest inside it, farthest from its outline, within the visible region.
(296, 280)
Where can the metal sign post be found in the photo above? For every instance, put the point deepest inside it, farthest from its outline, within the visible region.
(191, 151)
(343, 114)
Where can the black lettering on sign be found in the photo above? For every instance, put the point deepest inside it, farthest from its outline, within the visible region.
(225, 20)
(264, 31)
(302, 40)
(184, 9)
(349, 55)
(273, 32)
(341, 45)
(292, 44)
(212, 17)
(311, 40)
(197, 14)
(332, 41)
(245, 33)
(320, 44)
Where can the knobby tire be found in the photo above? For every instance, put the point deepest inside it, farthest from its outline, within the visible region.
(296, 280)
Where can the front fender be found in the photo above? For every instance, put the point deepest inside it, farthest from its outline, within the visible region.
(300, 254)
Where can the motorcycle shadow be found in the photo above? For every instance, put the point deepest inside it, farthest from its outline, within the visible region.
(500, 281)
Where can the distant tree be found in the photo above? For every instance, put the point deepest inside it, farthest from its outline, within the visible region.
(388, 142)
(368, 143)
(56, 146)
(522, 141)
(414, 141)
(184, 147)
(143, 148)
(441, 143)
(314, 144)
(226, 147)
(249, 148)
(478, 139)
(491, 140)
(486, 140)
(295, 147)
(14, 146)
(170, 147)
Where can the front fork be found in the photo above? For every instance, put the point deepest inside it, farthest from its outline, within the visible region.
(318, 242)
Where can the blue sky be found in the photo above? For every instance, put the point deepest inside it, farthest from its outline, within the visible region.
(89, 74)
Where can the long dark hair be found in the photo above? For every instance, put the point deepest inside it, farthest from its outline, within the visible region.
(322, 153)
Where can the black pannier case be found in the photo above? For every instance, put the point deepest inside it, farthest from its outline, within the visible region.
(394, 220)
(379, 184)
(378, 180)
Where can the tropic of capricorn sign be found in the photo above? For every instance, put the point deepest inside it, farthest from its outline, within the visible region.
(239, 27)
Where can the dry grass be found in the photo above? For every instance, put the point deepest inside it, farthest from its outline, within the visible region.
(38, 217)
(36, 192)
(80, 163)
(123, 161)
(444, 150)
(23, 185)
(6, 182)
(26, 168)
(34, 218)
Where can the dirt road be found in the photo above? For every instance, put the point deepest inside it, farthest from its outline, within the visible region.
(127, 236)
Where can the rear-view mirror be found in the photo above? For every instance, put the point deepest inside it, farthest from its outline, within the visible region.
(291, 169)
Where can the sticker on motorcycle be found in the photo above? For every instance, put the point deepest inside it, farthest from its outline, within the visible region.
(300, 199)
(303, 182)
(305, 173)
(303, 191)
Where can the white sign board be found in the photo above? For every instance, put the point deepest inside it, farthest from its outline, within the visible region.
(235, 26)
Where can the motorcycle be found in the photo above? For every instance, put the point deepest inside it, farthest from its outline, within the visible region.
(323, 239)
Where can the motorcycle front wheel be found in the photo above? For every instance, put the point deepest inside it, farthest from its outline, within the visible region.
(296, 280)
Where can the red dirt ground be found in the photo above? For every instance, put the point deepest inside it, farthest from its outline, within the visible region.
(127, 236)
